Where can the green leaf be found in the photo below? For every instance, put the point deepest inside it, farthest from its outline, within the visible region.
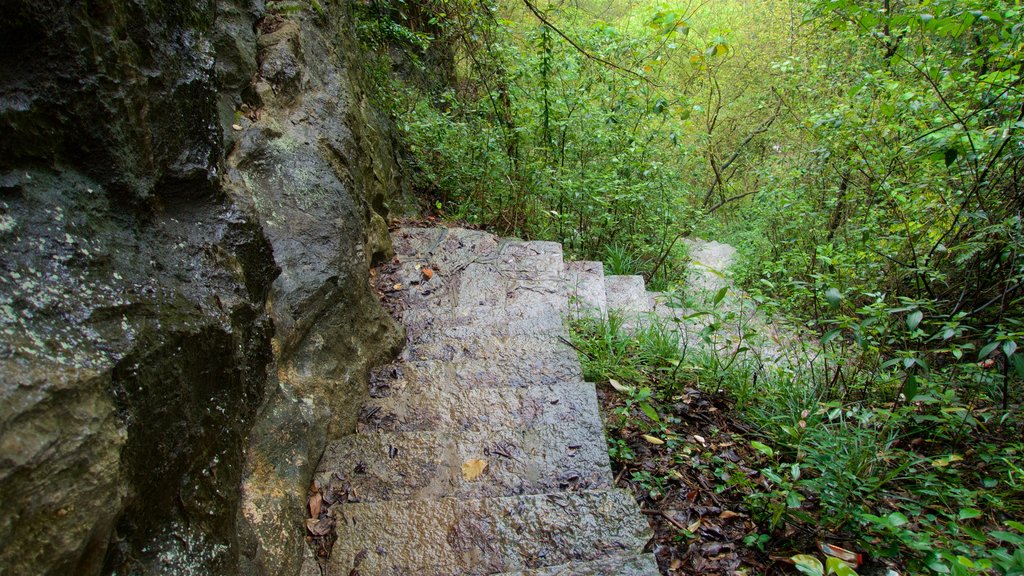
(911, 387)
(808, 564)
(763, 448)
(914, 319)
(968, 513)
(1008, 537)
(720, 295)
(1009, 347)
(650, 411)
(987, 350)
(834, 297)
(1018, 364)
(897, 519)
(829, 336)
(838, 567)
(793, 499)
(949, 156)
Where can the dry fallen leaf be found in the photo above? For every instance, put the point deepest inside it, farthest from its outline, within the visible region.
(320, 527)
(727, 514)
(472, 469)
(850, 557)
(700, 439)
(315, 504)
(653, 439)
(236, 127)
(397, 287)
(694, 527)
(427, 273)
(619, 387)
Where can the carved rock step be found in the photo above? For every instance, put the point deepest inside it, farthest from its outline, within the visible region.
(497, 321)
(455, 247)
(450, 537)
(371, 467)
(483, 409)
(584, 282)
(477, 285)
(517, 349)
(476, 270)
(429, 376)
(627, 295)
(626, 565)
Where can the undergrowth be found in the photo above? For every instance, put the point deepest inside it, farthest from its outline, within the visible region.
(927, 481)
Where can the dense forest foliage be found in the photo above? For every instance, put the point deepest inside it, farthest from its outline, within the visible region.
(864, 156)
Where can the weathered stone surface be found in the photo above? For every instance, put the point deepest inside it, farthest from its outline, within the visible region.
(175, 324)
(428, 375)
(428, 464)
(487, 380)
(317, 166)
(481, 409)
(626, 294)
(475, 537)
(631, 565)
(584, 282)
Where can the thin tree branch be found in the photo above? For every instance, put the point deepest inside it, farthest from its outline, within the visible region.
(580, 49)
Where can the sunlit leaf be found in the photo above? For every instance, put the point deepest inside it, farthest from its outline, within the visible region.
(838, 567)
(472, 469)
(808, 564)
(653, 439)
(619, 387)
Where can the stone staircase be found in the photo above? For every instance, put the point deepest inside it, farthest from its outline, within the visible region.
(481, 449)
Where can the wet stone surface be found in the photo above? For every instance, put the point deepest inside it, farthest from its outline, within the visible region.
(481, 449)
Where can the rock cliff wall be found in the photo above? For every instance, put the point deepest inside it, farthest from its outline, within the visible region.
(191, 195)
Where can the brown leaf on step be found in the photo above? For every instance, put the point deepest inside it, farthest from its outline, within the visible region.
(315, 504)
(396, 287)
(850, 557)
(321, 527)
(472, 469)
(427, 273)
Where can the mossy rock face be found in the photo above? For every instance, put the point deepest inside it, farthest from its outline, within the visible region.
(182, 329)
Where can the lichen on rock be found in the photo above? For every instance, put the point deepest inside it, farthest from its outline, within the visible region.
(190, 199)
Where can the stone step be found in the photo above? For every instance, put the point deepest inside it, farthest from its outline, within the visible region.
(618, 565)
(627, 296)
(450, 537)
(469, 268)
(478, 284)
(584, 281)
(504, 320)
(522, 348)
(481, 409)
(372, 467)
(431, 375)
